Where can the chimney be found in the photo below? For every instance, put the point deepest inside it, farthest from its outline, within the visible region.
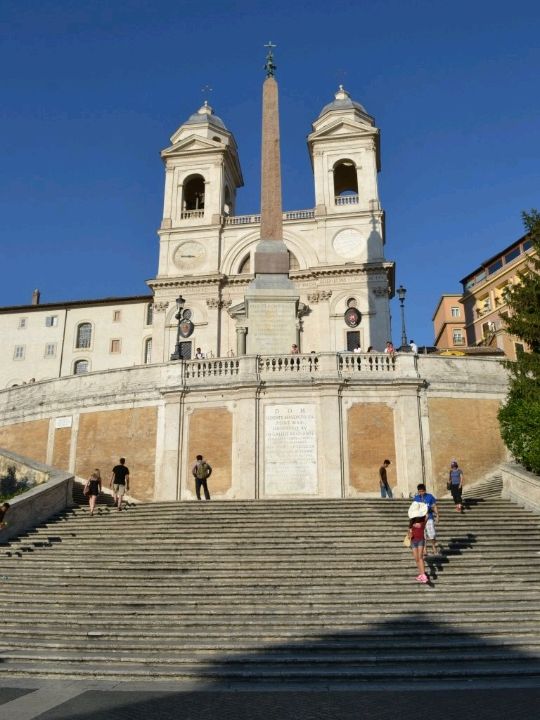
(35, 297)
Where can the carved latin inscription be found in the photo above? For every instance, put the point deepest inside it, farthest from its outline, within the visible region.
(290, 450)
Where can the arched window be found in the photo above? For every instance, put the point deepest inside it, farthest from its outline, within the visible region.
(80, 367)
(148, 351)
(194, 193)
(245, 266)
(345, 179)
(84, 335)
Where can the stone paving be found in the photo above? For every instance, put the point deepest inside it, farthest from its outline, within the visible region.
(57, 700)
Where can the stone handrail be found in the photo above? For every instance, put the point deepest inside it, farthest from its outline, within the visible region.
(52, 494)
(521, 486)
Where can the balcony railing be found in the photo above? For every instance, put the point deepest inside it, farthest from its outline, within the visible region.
(255, 219)
(307, 367)
(346, 199)
(190, 214)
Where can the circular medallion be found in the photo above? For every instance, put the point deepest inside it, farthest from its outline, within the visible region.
(348, 243)
(189, 255)
(352, 317)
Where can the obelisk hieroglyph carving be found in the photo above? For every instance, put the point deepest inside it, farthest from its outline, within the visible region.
(271, 300)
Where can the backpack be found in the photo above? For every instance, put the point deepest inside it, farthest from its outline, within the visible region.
(201, 471)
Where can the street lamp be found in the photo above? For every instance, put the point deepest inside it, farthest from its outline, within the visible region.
(401, 292)
(180, 302)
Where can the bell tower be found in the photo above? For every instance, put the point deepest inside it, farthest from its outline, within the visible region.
(202, 175)
(345, 155)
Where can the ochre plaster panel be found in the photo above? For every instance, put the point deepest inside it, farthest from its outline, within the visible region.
(370, 438)
(467, 430)
(62, 440)
(28, 439)
(104, 437)
(210, 435)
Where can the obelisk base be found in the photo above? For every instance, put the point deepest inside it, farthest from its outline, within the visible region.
(271, 311)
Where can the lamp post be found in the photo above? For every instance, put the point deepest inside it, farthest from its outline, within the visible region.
(180, 302)
(401, 292)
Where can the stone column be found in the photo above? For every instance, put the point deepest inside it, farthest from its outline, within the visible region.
(241, 340)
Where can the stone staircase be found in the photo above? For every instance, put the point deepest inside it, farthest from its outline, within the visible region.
(272, 593)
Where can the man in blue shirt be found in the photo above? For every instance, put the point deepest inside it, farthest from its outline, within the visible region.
(432, 517)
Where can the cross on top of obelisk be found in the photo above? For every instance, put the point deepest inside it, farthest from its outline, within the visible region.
(270, 66)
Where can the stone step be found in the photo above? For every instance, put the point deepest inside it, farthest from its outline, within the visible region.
(233, 589)
(116, 643)
(366, 631)
(247, 592)
(510, 667)
(12, 601)
(262, 657)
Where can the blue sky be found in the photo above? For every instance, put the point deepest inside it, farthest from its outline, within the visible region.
(92, 92)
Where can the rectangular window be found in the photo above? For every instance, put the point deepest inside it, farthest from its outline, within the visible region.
(115, 346)
(22, 323)
(353, 340)
(51, 321)
(497, 265)
(50, 350)
(457, 337)
(512, 255)
(455, 312)
(117, 314)
(519, 348)
(527, 244)
(18, 353)
(149, 314)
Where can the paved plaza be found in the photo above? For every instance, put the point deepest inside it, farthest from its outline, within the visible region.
(76, 700)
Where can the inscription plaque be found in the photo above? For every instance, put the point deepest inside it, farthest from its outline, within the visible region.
(290, 450)
(272, 327)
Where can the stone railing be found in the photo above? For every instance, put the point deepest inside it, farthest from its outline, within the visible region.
(521, 486)
(369, 362)
(190, 214)
(256, 368)
(288, 364)
(211, 368)
(51, 495)
(255, 219)
(346, 199)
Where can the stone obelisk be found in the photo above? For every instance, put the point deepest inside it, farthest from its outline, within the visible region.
(271, 300)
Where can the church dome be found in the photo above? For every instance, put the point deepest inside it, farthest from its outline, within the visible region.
(205, 116)
(342, 101)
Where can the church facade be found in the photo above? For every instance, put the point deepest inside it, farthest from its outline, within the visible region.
(336, 261)
(283, 399)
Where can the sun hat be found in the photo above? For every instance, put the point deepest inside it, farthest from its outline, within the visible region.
(417, 509)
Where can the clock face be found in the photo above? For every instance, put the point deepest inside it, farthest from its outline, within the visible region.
(348, 243)
(189, 255)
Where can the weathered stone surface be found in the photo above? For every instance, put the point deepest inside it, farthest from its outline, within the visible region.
(26, 438)
(104, 437)
(465, 429)
(210, 435)
(370, 440)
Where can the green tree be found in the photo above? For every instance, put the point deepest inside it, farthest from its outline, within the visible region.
(519, 418)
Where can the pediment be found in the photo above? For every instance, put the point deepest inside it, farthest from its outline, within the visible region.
(192, 143)
(343, 127)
